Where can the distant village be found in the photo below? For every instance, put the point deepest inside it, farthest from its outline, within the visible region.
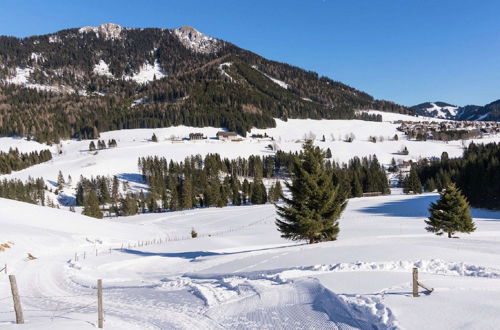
(447, 130)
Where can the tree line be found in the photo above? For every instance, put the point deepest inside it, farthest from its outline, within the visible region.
(476, 174)
(16, 161)
(32, 191)
(213, 181)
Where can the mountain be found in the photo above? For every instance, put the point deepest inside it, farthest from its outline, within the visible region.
(436, 109)
(489, 112)
(78, 82)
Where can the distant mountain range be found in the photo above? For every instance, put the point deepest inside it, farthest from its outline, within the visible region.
(489, 112)
(79, 82)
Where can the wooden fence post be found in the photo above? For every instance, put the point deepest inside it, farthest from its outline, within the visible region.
(100, 309)
(17, 301)
(415, 282)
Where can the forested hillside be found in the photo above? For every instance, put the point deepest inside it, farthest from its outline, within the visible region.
(78, 82)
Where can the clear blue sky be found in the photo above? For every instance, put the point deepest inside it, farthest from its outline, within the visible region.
(408, 51)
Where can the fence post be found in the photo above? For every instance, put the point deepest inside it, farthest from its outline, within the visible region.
(17, 301)
(415, 282)
(100, 309)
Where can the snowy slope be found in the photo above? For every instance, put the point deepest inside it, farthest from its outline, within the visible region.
(240, 274)
(75, 159)
(437, 110)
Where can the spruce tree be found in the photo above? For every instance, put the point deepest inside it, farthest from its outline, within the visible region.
(450, 214)
(357, 188)
(412, 182)
(60, 180)
(154, 138)
(278, 191)
(312, 211)
(91, 205)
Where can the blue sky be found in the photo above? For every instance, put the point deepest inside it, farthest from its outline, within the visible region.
(408, 51)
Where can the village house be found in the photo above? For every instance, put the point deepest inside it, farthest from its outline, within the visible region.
(196, 136)
(227, 136)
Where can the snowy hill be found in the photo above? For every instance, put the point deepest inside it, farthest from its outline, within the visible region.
(76, 160)
(240, 273)
(489, 112)
(437, 110)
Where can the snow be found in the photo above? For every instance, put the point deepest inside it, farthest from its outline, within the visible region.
(392, 116)
(108, 31)
(197, 41)
(446, 112)
(443, 112)
(102, 69)
(21, 78)
(274, 80)
(288, 136)
(54, 39)
(37, 57)
(239, 273)
(148, 73)
(223, 72)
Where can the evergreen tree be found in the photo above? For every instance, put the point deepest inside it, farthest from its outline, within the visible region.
(328, 153)
(357, 188)
(450, 214)
(92, 146)
(278, 191)
(91, 205)
(186, 194)
(412, 182)
(60, 180)
(430, 185)
(154, 138)
(128, 205)
(312, 212)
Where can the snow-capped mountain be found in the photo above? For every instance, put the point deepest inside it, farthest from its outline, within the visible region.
(82, 81)
(440, 110)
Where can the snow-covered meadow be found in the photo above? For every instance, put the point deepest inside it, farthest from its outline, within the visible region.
(76, 160)
(240, 274)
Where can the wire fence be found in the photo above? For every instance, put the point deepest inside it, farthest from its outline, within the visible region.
(56, 312)
(78, 256)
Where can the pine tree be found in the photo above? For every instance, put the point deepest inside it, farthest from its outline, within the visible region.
(92, 146)
(154, 138)
(450, 214)
(91, 205)
(186, 194)
(278, 191)
(128, 205)
(412, 182)
(60, 180)
(328, 153)
(430, 185)
(357, 188)
(312, 212)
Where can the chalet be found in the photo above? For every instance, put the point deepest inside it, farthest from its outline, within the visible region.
(227, 136)
(196, 136)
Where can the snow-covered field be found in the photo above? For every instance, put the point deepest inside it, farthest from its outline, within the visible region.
(76, 160)
(240, 274)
